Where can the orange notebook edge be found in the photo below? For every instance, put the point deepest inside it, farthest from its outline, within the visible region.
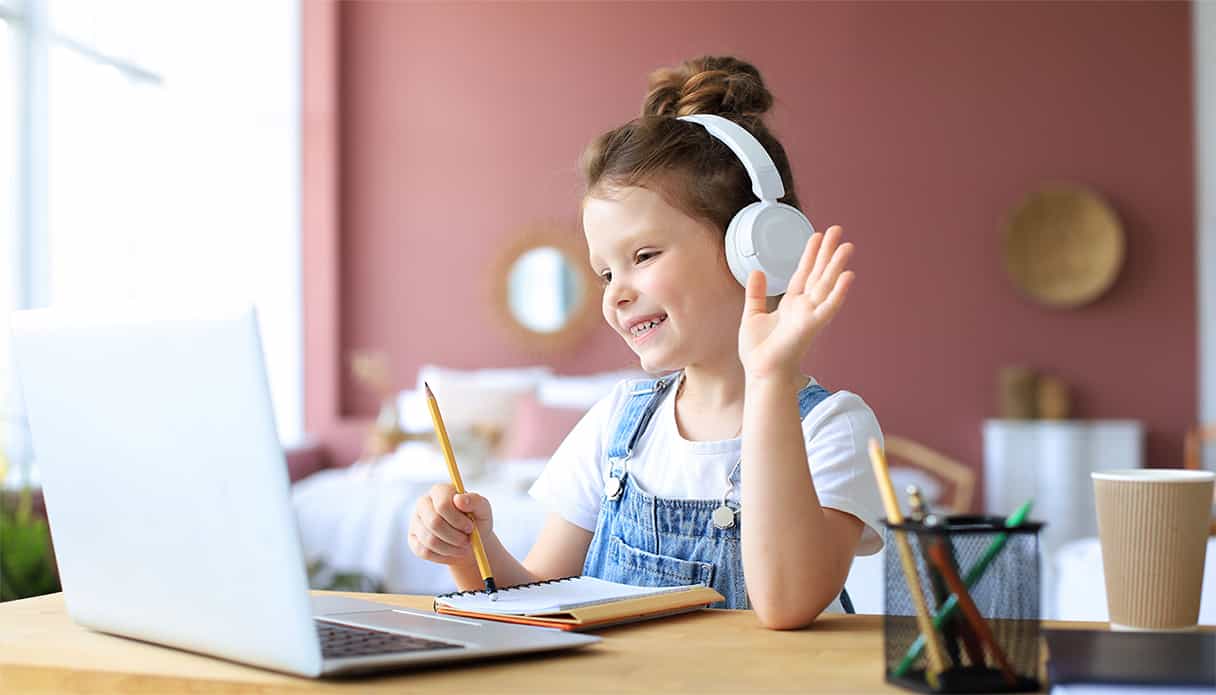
(606, 614)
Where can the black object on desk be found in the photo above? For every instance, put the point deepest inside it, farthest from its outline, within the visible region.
(1144, 658)
(1005, 591)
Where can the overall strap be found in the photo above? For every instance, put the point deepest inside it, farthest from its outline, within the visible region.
(809, 396)
(643, 399)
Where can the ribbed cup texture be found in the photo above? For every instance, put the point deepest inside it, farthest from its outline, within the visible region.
(1154, 537)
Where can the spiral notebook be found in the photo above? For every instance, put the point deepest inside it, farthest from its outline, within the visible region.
(577, 603)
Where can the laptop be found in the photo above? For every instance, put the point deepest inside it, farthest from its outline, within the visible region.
(168, 500)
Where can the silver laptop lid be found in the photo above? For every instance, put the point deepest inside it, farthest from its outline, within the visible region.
(165, 484)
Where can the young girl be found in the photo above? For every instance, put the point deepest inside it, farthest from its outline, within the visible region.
(733, 464)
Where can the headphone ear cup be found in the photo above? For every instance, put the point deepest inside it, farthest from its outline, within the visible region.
(768, 237)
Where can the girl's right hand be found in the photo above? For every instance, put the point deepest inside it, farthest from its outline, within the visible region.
(440, 528)
(775, 343)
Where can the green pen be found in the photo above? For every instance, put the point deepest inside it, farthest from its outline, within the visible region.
(973, 575)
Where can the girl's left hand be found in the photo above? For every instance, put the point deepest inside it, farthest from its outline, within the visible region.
(773, 344)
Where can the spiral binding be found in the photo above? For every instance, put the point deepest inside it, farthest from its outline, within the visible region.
(507, 588)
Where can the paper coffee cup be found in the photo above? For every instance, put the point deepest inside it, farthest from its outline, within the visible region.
(1153, 529)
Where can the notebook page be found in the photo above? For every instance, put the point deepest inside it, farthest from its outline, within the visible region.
(552, 598)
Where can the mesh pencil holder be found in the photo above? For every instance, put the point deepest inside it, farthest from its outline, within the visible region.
(991, 645)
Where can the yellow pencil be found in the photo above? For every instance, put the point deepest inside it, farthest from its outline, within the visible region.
(479, 550)
(937, 662)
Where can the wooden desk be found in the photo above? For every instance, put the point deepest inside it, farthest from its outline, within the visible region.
(43, 651)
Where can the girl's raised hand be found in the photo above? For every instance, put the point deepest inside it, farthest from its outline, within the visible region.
(773, 343)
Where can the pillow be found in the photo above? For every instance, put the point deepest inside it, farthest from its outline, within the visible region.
(481, 397)
(518, 378)
(582, 391)
(537, 429)
(543, 419)
(413, 411)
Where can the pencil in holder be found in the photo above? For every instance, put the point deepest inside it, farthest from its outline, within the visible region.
(979, 581)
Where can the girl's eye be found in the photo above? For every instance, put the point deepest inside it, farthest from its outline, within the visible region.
(644, 255)
(605, 277)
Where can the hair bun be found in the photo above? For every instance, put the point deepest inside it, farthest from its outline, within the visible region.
(720, 85)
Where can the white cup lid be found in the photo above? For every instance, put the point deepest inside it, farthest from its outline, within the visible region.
(1156, 475)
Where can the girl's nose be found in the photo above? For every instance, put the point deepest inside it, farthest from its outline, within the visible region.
(622, 294)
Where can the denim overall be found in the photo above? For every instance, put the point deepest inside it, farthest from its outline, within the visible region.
(645, 540)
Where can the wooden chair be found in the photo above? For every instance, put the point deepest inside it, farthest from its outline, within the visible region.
(1193, 445)
(959, 480)
(1192, 455)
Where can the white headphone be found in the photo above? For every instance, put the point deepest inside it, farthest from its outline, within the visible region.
(767, 236)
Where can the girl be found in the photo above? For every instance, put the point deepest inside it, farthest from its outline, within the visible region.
(733, 464)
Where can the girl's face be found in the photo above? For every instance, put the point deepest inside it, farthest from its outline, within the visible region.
(667, 289)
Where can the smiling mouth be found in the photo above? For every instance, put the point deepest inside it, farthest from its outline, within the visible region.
(646, 327)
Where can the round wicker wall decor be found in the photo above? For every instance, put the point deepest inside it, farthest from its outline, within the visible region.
(1064, 246)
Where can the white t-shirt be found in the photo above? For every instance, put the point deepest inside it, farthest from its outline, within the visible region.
(665, 464)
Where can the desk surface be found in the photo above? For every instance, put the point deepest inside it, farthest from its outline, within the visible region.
(42, 650)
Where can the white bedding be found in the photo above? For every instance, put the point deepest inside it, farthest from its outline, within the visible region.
(356, 520)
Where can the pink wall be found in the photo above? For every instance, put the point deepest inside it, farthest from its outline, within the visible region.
(916, 126)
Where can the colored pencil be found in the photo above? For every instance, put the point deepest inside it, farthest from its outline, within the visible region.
(973, 575)
(937, 662)
(479, 550)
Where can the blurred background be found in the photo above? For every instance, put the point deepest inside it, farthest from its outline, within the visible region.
(1030, 186)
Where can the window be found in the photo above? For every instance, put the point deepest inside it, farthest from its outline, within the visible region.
(10, 275)
(161, 160)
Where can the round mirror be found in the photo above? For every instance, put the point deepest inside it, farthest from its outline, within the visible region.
(544, 288)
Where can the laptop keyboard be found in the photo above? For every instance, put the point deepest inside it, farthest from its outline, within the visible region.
(339, 641)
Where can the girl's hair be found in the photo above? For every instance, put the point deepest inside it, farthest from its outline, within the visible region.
(693, 170)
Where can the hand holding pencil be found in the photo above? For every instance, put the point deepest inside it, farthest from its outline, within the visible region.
(445, 523)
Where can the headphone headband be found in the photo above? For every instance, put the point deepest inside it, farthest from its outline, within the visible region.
(766, 180)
